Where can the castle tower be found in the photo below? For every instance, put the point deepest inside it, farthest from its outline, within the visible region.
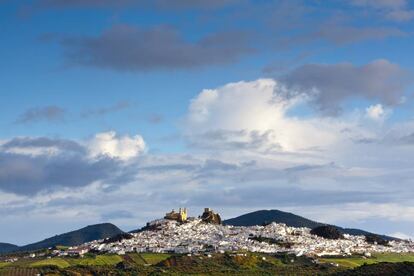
(180, 216)
(183, 214)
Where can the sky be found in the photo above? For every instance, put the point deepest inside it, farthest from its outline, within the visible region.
(120, 110)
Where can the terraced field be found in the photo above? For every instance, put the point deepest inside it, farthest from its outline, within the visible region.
(355, 261)
(97, 260)
(216, 264)
(19, 271)
(61, 263)
(154, 258)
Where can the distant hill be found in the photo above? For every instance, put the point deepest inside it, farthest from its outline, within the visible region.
(7, 247)
(86, 234)
(268, 216)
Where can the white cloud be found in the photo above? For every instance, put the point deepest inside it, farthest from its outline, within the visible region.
(401, 235)
(114, 146)
(259, 155)
(260, 107)
(377, 112)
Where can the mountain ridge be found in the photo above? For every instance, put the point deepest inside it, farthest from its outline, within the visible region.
(7, 247)
(267, 216)
(108, 230)
(75, 237)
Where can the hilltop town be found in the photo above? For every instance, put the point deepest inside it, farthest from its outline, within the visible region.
(178, 233)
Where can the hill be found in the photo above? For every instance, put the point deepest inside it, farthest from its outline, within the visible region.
(86, 234)
(267, 216)
(7, 247)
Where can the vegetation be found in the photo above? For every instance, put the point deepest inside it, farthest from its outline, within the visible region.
(243, 263)
(327, 232)
(355, 261)
(136, 259)
(264, 217)
(268, 216)
(7, 247)
(401, 268)
(59, 262)
(86, 234)
(281, 243)
(154, 258)
(118, 238)
(375, 239)
(98, 260)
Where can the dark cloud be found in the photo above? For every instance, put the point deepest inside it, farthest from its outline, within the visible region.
(278, 26)
(196, 168)
(260, 196)
(43, 142)
(85, 3)
(408, 139)
(155, 118)
(51, 113)
(332, 84)
(117, 214)
(164, 4)
(105, 110)
(234, 140)
(395, 10)
(195, 4)
(28, 174)
(22, 174)
(340, 35)
(306, 167)
(336, 33)
(128, 48)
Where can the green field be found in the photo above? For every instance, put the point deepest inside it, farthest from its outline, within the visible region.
(59, 262)
(216, 264)
(355, 261)
(136, 258)
(154, 258)
(86, 261)
(97, 260)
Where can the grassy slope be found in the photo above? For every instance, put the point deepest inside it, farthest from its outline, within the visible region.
(59, 262)
(80, 236)
(219, 264)
(355, 261)
(137, 259)
(152, 258)
(98, 260)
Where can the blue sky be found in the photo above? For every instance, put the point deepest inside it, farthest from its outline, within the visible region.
(233, 104)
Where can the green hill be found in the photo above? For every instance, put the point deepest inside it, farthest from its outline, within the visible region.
(7, 247)
(268, 216)
(86, 234)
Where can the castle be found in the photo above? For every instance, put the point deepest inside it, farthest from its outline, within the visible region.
(208, 216)
(181, 216)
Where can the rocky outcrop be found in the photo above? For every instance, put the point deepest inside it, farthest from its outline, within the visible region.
(210, 217)
(327, 232)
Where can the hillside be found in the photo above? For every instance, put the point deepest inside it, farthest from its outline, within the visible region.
(7, 247)
(267, 216)
(86, 234)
